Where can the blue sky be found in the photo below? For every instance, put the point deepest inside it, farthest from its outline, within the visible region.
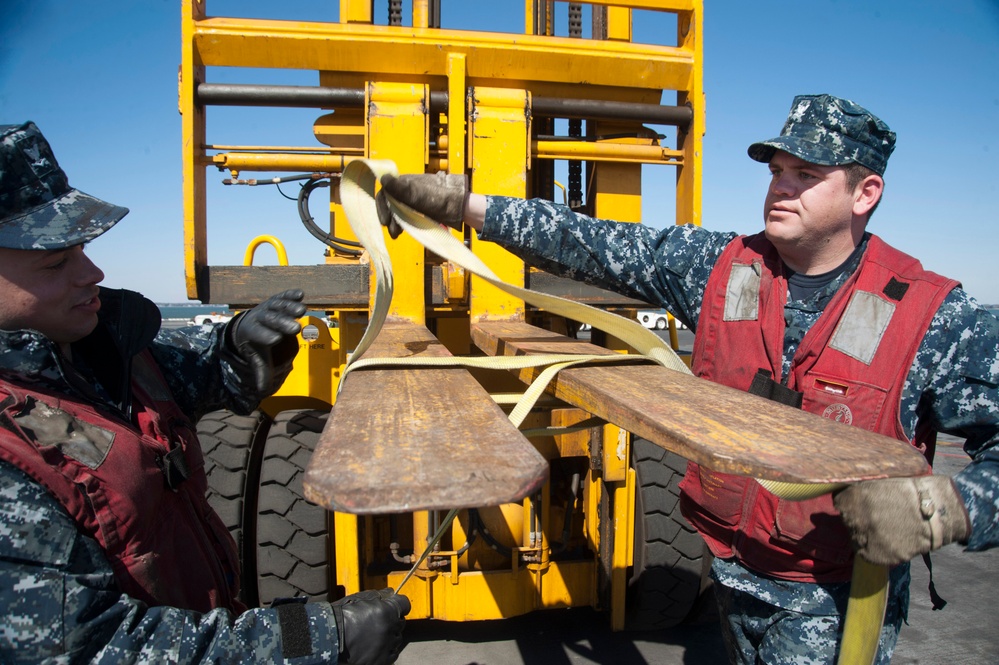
(100, 79)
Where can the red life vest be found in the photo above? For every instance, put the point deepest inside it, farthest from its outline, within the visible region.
(165, 544)
(850, 366)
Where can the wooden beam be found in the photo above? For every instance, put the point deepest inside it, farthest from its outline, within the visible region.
(716, 426)
(399, 440)
(326, 286)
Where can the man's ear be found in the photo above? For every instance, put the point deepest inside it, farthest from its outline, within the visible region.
(867, 194)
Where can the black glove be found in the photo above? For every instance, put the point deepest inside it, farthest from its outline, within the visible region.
(439, 196)
(369, 626)
(893, 520)
(267, 330)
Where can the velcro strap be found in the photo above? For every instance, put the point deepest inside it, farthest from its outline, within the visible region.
(296, 640)
(174, 467)
(764, 386)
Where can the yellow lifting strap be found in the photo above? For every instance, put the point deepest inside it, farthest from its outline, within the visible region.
(868, 592)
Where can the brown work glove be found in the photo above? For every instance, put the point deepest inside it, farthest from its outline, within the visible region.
(439, 196)
(893, 520)
(369, 626)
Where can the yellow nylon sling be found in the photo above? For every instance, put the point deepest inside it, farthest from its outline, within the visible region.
(869, 586)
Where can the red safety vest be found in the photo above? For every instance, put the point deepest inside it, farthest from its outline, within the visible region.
(851, 366)
(165, 544)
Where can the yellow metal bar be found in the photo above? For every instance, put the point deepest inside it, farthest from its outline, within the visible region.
(421, 14)
(192, 70)
(619, 24)
(608, 152)
(498, 155)
(624, 536)
(356, 11)
(656, 5)
(334, 163)
(456, 112)
(422, 52)
(398, 130)
(348, 566)
(615, 454)
(255, 161)
(691, 142)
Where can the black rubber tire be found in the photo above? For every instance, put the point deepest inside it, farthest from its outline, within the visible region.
(293, 554)
(670, 557)
(231, 446)
(661, 324)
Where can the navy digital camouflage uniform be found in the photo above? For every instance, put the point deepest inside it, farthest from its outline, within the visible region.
(60, 597)
(61, 601)
(954, 379)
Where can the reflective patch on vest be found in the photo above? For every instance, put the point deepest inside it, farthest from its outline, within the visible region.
(48, 426)
(742, 293)
(864, 322)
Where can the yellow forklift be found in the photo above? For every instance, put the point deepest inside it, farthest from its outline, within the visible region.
(563, 112)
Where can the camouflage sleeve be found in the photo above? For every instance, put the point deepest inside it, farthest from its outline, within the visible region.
(205, 373)
(663, 267)
(63, 605)
(955, 382)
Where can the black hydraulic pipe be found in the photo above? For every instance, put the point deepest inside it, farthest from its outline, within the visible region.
(679, 116)
(294, 96)
(241, 94)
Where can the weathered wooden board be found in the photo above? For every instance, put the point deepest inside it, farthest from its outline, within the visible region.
(719, 427)
(399, 440)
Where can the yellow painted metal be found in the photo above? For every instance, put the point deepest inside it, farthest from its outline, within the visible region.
(605, 152)
(623, 550)
(278, 246)
(615, 454)
(192, 117)
(343, 130)
(483, 128)
(268, 161)
(619, 23)
(233, 42)
(313, 369)
(398, 129)
(688, 176)
(356, 11)
(348, 549)
(456, 84)
(421, 14)
(498, 154)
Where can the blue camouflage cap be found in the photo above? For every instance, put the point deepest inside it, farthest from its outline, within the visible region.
(830, 131)
(38, 208)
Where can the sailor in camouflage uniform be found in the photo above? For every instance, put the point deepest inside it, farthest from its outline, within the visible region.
(781, 592)
(109, 551)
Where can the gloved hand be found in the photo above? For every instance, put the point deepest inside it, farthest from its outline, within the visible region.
(439, 196)
(369, 626)
(256, 334)
(893, 520)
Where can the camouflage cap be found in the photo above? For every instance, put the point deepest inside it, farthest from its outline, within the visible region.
(38, 208)
(831, 131)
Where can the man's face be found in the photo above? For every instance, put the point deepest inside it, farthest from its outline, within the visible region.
(808, 207)
(51, 291)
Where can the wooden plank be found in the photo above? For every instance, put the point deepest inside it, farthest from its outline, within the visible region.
(327, 286)
(571, 289)
(719, 427)
(399, 440)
